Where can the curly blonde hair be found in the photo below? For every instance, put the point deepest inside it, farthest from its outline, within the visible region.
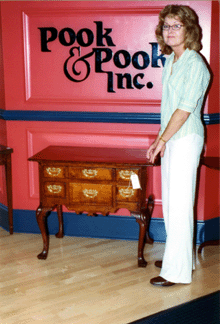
(189, 19)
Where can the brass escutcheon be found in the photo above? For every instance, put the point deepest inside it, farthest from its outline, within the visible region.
(125, 174)
(126, 193)
(54, 172)
(89, 173)
(90, 193)
(55, 189)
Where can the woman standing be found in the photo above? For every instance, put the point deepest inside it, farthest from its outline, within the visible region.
(181, 137)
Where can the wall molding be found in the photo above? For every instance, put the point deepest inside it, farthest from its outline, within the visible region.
(36, 91)
(93, 117)
(106, 227)
(89, 10)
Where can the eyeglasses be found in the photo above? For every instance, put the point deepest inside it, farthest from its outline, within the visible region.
(174, 27)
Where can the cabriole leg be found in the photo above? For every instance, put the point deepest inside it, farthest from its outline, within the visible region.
(150, 207)
(141, 220)
(60, 219)
(144, 221)
(9, 191)
(41, 214)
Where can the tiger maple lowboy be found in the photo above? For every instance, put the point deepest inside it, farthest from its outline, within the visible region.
(93, 180)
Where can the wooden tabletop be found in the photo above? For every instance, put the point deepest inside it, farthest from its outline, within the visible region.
(5, 150)
(92, 154)
(212, 162)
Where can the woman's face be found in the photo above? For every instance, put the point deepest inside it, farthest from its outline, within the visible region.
(174, 38)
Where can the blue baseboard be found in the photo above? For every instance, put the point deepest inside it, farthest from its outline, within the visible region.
(108, 227)
(210, 231)
(4, 217)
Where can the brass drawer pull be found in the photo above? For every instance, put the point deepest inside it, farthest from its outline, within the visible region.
(125, 174)
(89, 173)
(54, 189)
(126, 193)
(54, 172)
(90, 193)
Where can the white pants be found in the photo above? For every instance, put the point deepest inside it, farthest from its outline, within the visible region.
(179, 171)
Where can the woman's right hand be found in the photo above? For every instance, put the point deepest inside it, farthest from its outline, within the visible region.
(151, 149)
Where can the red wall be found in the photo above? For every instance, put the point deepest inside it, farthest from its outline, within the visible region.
(3, 139)
(37, 77)
(2, 90)
(35, 81)
(3, 136)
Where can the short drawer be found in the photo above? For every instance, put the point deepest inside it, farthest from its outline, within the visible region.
(125, 174)
(127, 194)
(55, 189)
(90, 193)
(54, 172)
(90, 173)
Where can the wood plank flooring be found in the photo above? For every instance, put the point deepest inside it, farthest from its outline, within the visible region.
(90, 281)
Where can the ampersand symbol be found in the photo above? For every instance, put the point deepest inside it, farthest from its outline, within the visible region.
(70, 66)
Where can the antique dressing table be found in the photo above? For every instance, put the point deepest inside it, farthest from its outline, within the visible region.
(93, 180)
(212, 162)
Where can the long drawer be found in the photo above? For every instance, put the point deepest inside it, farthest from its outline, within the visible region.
(101, 194)
(90, 173)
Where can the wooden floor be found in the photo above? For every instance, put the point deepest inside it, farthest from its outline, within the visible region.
(89, 281)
